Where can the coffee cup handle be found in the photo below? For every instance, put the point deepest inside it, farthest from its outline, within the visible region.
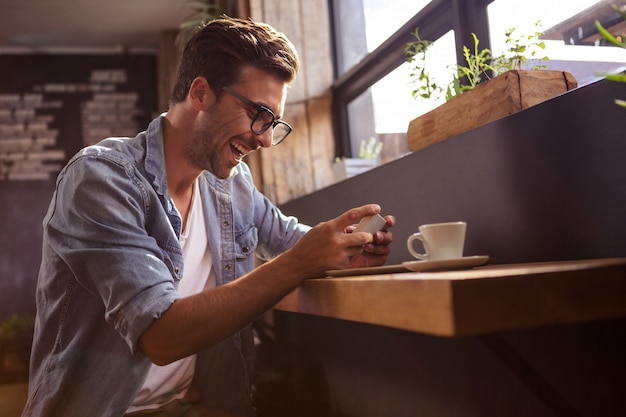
(409, 245)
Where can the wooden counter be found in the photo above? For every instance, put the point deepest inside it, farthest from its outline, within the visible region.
(481, 300)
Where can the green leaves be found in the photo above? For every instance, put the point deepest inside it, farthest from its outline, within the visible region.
(202, 11)
(617, 42)
(608, 36)
(520, 48)
(416, 52)
(370, 149)
(479, 63)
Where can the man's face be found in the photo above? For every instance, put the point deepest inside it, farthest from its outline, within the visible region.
(222, 135)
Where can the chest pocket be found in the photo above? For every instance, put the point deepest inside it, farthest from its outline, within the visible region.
(246, 242)
(173, 258)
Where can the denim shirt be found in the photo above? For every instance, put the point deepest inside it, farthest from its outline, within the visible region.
(111, 263)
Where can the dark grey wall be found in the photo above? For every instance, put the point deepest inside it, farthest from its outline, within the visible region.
(548, 183)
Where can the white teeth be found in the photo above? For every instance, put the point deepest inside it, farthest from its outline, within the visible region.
(241, 150)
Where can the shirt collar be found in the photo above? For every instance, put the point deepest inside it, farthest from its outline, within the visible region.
(155, 159)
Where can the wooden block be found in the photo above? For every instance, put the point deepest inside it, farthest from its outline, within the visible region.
(501, 96)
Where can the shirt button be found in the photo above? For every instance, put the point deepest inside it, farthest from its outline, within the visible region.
(228, 267)
(226, 223)
(246, 249)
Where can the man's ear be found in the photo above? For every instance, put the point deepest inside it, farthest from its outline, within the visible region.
(200, 94)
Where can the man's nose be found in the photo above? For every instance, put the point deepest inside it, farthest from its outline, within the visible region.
(265, 139)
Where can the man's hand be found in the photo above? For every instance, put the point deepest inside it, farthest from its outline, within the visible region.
(329, 245)
(333, 245)
(376, 252)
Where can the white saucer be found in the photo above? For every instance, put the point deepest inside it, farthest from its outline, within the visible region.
(464, 262)
(413, 266)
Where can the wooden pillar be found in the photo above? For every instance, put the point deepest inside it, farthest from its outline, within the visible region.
(303, 163)
(168, 59)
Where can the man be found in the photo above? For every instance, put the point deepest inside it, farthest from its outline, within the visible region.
(147, 285)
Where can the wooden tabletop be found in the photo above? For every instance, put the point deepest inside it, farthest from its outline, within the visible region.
(481, 300)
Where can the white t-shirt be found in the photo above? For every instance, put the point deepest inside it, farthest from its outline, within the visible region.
(166, 383)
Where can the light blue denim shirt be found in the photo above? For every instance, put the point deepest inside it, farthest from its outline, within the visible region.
(111, 262)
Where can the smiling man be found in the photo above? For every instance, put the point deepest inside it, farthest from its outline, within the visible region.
(147, 286)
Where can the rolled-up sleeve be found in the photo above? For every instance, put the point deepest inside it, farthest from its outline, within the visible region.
(110, 229)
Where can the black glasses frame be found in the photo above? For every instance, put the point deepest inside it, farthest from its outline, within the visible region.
(260, 109)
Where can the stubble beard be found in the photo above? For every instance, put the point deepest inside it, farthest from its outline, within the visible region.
(204, 154)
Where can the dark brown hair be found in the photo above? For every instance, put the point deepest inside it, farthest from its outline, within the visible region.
(222, 47)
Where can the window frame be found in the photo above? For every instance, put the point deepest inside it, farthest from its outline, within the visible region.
(434, 20)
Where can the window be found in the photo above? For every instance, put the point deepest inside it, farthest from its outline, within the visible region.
(569, 33)
(363, 25)
(372, 91)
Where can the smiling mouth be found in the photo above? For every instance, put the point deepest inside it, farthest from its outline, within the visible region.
(239, 150)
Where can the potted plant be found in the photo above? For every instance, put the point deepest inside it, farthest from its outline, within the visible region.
(369, 157)
(202, 11)
(486, 89)
(16, 335)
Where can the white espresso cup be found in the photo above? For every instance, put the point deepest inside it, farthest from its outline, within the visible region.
(440, 241)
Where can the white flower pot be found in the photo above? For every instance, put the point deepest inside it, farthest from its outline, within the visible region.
(349, 167)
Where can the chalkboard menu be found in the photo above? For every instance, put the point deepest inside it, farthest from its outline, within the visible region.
(50, 107)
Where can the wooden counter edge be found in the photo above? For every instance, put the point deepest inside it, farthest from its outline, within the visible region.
(481, 300)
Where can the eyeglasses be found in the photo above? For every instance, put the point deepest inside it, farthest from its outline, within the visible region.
(264, 119)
